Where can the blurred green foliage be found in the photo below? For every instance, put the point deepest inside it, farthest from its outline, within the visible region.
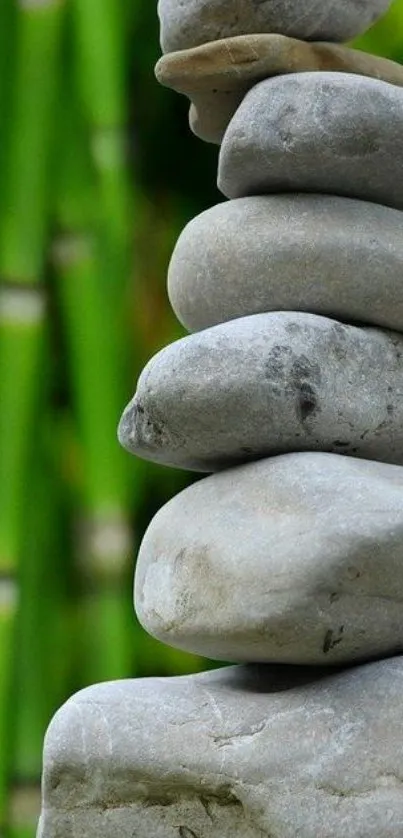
(98, 175)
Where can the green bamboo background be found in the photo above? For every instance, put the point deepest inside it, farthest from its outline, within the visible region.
(98, 175)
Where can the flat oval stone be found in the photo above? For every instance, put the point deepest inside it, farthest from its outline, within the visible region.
(187, 24)
(318, 253)
(269, 384)
(243, 752)
(317, 132)
(216, 76)
(296, 559)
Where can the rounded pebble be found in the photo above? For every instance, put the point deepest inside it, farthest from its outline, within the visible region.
(187, 23)
(317, 132)
(296, 559)
(317, 253)
(269, 384)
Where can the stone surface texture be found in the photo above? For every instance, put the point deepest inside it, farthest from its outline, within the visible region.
(296, 559)
(246, 752)
(269, 384)
(187, 23)
(289, 559)
(216, 76)
(316, 132)
(319, 253)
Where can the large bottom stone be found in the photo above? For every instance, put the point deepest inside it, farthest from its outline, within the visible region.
(245, 752)
(297, 559)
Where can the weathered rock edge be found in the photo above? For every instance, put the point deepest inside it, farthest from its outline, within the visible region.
(216, 76)
(334, 133)
(317, 253)
(297, 559)
(269, 384)
(245, 752)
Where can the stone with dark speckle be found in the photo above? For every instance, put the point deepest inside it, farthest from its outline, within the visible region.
(269, 384)
(317, 132)
(297, 559)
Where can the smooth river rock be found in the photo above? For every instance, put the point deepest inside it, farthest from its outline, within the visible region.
(243, 752)
(317, 132)
(187, 23)
(269, 384)
(317, 253)
(216, 76)
(295, 559)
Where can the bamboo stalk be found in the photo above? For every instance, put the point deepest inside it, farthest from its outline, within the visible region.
(22, 315)
(100, 57)
(23, 225)
(385, 37)
(38, 637)
(7, 10)
(25, 216)
(96, 373)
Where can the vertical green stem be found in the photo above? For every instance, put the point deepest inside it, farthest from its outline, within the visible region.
(96, 371)
(101, 75)
(23, 231)
(386, 36)
(26, 205)
(7, 10)
(38, 638)
(22, 313)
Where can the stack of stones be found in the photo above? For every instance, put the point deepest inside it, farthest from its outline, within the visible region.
(288, 560)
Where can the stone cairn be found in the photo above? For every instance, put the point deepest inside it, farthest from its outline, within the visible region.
(289, 559)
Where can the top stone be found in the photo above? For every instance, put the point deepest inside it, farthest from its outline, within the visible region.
(188, 24)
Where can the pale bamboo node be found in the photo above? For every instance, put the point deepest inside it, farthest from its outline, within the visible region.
(69, 247)
(39, 4)
(105, 544)
(22, 304)
(24, 804)
(216, 76)
(9, 595)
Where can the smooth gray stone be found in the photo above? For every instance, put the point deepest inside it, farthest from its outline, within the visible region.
(296, 559)
(338, 133)
(318, 253)
(245, 752)
(269, 384)
(187, 23)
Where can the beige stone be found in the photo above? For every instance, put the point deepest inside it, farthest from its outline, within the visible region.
(216, 76)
